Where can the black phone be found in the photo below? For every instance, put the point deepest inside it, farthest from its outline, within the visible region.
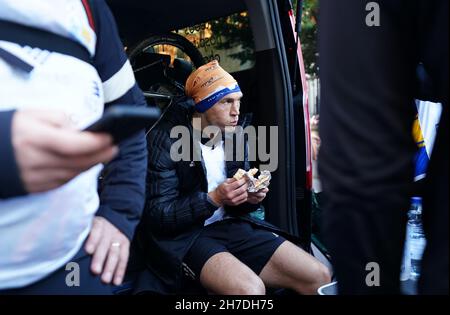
(123, 121)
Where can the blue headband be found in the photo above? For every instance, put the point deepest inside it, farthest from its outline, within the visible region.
(208, 102)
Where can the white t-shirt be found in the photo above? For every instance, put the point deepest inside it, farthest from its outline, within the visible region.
(216, 174)
(41, 232)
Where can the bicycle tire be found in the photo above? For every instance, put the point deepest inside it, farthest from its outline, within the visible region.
(170, 39)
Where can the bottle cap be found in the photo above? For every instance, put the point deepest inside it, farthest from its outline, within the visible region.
(416, 199)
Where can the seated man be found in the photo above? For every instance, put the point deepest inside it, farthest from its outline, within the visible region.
(196, 218)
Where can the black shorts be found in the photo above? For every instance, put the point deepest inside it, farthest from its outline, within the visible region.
(253, 246)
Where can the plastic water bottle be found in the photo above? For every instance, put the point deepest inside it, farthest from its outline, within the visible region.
(416, 236)
(259, 213)
(405, 270)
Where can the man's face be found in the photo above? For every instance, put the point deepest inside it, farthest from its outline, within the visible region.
(225, 113)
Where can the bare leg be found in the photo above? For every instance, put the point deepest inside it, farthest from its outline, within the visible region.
(293, 268)
(224, 274)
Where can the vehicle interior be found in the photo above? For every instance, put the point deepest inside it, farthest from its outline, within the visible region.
(254, 41)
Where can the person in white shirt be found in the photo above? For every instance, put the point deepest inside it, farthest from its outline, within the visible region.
(61, 64)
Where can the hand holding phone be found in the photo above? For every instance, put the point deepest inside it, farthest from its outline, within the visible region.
(123, 121)
(49, 153)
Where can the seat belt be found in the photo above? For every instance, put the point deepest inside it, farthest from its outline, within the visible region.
(33, 37)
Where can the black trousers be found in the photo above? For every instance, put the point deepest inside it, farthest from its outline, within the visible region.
(366, 159)
(56, 282)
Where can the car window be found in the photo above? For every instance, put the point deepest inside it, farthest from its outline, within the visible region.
(228, 39)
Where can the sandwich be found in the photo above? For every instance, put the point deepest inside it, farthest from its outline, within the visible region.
(254, 184)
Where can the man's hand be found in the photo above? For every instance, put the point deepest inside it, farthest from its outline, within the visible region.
(110, 249)
(315, 139)
(314, 123)
(231, 192)
(49, 152)
(315, 145)
(258, 196)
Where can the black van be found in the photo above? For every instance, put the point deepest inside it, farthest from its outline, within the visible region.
(256, 41)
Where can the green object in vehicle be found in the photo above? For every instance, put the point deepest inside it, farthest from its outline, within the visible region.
(258, 214)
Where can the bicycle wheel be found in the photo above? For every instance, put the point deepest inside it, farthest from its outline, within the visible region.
(162, 63)
(169, 39)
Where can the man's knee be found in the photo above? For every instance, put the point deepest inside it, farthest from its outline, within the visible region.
(224, 274)
(250, 286)
(321, 275)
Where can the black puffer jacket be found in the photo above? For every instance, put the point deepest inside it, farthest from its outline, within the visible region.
(177, 204)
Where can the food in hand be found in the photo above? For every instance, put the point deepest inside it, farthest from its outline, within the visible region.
(252, 172)
(239, 174)
(262, 181)
(254, 184)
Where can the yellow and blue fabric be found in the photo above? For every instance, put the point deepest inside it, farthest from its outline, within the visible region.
(421, 158)
(424, 133)
(209, 84)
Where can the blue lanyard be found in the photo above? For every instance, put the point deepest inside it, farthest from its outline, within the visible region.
(15, 61)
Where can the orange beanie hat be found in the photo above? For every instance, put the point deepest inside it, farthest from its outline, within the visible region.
(208, 84)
